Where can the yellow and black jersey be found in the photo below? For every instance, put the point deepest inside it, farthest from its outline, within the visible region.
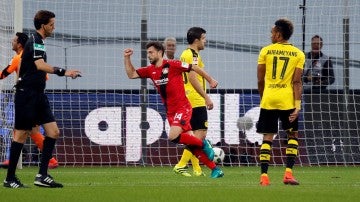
(281, 61)
(190, 56)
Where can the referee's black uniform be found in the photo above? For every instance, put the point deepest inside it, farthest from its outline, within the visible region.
(31, 104)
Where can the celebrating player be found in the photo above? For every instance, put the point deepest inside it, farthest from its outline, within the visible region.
(167, 78)
(279, 72)
(31, 103)
(18, 44)
(195, 89)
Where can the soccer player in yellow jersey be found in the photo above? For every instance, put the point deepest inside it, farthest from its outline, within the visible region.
(279, 73)
(195, 89)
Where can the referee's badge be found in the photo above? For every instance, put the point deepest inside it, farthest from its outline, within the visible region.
(39, 47)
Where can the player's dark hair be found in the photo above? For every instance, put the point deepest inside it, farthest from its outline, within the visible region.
(285, 27)
(317, 36)
(157, 45)
(22, 38)
(42, 17)
(194, 33)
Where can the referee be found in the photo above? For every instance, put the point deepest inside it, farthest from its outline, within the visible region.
(31, 104)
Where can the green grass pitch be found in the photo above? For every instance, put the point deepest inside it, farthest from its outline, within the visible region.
(161, 184)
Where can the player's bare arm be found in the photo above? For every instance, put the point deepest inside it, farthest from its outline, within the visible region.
(297, 86)
(10, 68)
(212, 82)
(43, 66)
(199, 89)
(261, 70)
(3, 74)
(129, 67)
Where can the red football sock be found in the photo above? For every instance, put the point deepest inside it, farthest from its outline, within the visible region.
(199, 153)
(190, 140)
(38, 139)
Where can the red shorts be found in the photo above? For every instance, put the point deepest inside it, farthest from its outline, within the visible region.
(181, 117)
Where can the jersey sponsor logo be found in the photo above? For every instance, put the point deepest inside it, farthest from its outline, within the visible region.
(161, 81)
(277, 85)
(39, 47)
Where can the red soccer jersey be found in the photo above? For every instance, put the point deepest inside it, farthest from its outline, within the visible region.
(169, 82)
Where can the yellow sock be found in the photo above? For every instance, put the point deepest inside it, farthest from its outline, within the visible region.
(185, 158)
(195, 164)
(288, 170)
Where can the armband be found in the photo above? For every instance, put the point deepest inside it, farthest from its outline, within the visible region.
(59, 71)
(298, 104)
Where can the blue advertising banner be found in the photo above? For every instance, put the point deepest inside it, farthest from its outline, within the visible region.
(103, 128)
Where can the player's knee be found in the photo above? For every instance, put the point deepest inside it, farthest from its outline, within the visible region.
(174, 139)
(55, 134)
(201, 133)
(20, 136)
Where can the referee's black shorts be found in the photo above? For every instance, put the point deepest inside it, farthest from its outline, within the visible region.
(269, 121)
(199, 118)
(32, 108)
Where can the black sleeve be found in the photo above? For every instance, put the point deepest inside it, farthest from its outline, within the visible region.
(4, 73)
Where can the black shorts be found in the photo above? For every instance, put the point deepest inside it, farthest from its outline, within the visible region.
(32, 108)
(199, 118)
(268, 121)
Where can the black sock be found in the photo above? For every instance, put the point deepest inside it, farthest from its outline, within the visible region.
(15, 151)
(49, 144)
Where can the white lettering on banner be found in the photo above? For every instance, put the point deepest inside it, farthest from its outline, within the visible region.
(251, 134)
(214, 123)
(230, 120)
(110, 133)
(103, 126)
(133, 131)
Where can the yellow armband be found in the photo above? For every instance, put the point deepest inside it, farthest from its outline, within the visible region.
(298, 104)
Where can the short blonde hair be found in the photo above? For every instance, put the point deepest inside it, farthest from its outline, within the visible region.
(170, 38)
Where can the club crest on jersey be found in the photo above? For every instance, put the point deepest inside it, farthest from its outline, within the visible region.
(185, 65)
(165, 70)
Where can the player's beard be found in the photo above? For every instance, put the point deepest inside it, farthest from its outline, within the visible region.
(153, 61)
(48, 31)
(47, 34)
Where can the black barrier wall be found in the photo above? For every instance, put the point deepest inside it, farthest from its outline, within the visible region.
(331, 127)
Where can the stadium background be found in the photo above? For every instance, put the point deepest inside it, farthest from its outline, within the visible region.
(90, 36)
